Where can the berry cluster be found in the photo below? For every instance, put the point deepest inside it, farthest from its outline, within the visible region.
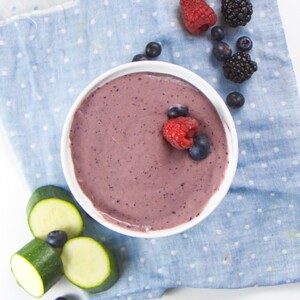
(181, 131)
(152, 50)
(198, 16)
(237, 67)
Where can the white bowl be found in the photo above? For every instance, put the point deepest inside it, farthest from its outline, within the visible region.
(199, 83)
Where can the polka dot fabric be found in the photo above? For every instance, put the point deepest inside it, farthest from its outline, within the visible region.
(253, 238)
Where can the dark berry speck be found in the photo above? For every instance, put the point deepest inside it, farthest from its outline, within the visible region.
(235, 100)
(200, 149)
(61, 298)
(217, 33)
(244, 43)
(178, 111)
(153, 49)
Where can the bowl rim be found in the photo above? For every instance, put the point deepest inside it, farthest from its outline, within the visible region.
(162, 68)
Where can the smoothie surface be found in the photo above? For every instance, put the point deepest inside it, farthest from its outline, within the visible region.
(122, 163)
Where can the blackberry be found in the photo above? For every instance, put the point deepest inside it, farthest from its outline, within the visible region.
(239, 67)
(237, 12)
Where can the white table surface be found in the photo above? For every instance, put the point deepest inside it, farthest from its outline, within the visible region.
(15, 193)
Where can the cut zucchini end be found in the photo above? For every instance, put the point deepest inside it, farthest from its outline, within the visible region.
(54, 214)
(52, 208)
(89, 265)
(27, 276)
(36, 267)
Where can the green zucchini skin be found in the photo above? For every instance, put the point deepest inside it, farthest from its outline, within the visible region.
(45, 260)
(46, 192)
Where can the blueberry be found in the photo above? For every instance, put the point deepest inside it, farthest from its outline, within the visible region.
(217, 33)
(178, 111)
(61, 298)
(201, 147)
(153, 49)
(221, 51)
(244, 43)
(56, 238)
(235, 100)
(140, 57)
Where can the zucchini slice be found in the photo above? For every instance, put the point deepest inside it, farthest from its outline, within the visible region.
(52, 208)
(89, 265)
(36, 267)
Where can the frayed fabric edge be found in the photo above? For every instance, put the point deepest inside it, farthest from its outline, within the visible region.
(41, 12)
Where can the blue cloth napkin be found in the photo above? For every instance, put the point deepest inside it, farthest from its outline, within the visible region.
(253, 237)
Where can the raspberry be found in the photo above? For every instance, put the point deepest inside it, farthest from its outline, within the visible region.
(179, 132)
(197, 15)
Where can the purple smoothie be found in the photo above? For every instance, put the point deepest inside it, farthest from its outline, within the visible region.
(133, 177)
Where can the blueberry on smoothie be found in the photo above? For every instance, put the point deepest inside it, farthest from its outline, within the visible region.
(201, 148)
(178, 111)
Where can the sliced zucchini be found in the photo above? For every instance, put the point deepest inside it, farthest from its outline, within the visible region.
(52, 208)
(36, 267)
(89, 265)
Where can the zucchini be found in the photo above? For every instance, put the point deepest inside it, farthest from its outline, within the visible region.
(52, 208)
(88, 264)
(36, 267)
